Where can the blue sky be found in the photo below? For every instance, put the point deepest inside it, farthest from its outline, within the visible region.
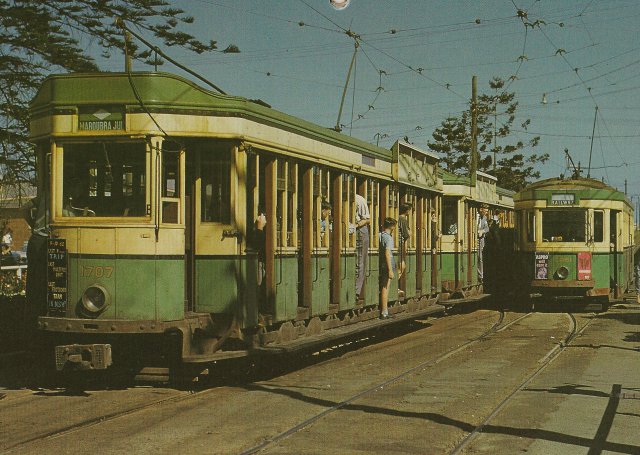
(416, 61)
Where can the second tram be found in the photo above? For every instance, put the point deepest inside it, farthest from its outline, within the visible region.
(575, 240)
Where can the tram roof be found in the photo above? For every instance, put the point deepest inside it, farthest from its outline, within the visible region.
(486, 189)
(587, 187)
(166, 92)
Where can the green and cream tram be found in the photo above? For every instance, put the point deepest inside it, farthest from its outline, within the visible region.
(575, 240)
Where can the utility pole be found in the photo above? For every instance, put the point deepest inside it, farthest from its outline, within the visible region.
(495, 131)
(127, 50)
(473, 166)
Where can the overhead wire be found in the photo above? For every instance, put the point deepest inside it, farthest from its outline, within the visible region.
(370, 42)
(576, 72)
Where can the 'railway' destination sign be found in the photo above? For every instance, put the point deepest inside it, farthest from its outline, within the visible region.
(563, 199)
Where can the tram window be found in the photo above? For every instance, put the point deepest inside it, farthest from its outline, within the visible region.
(563, 225)
(292, 212)
(322, 227)
(349, 210)
(598, 226)
(286, 204)
(215, 174)
(434, 230)
(450, 215)
(170, 174)
(407, 197)
(104, 179)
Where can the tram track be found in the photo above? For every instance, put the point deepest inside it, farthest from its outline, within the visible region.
(497, 326)
(100, 419)
(544, 362)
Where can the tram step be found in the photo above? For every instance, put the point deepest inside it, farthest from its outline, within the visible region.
(152, 374)
(337, 333)
(219, 355)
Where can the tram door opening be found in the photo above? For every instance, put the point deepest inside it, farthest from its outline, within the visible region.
(189, 235)
(216, 243)
(256, 191)
(613, 256)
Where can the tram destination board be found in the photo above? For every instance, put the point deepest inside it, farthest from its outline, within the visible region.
(57, 276)
(101, 118)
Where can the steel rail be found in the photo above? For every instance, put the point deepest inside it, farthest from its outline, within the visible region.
(198, 393)
(545, 361)
(423, 365)
(100, 419)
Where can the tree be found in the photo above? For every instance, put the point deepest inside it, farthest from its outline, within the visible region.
(38, 37)
(496, 113)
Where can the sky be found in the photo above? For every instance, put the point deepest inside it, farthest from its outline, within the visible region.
(416, 60)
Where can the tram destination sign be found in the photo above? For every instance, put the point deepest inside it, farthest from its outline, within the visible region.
(563, 199)
(100, 118)
(57, 276)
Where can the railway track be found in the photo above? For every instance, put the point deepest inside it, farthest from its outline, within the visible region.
(544, 362)
(497, 326)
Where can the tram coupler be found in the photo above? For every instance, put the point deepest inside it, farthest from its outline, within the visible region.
(83, 357)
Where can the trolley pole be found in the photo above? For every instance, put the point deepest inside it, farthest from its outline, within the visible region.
(473, 166)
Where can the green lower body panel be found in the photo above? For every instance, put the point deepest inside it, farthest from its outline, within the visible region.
(348, 282)
(321, 275)
(410, 276)
(137, 289)
(286, 298)
(451, 270)
(223, 282)
(372, 281)
(607, 269)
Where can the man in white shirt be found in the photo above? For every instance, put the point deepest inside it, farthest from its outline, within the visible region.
(363, 219)
(483, 230)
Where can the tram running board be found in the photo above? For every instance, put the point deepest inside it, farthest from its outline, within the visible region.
(337, 333)
(152, 374)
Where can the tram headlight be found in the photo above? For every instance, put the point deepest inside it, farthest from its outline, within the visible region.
(562, 273)
(95, 299)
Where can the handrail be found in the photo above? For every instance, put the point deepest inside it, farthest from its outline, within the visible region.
(344, 246)
(369, 258)
(280, 262)
(424, 250)
(315, 251)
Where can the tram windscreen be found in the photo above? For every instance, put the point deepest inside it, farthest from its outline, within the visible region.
(104, 179)
(567, 225)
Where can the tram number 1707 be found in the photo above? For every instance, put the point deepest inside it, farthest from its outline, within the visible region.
(96, 271)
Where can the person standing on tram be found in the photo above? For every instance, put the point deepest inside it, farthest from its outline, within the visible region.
(260, 245)
(405, 235)
(387, 264)
(363, 220)
(483, 230)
